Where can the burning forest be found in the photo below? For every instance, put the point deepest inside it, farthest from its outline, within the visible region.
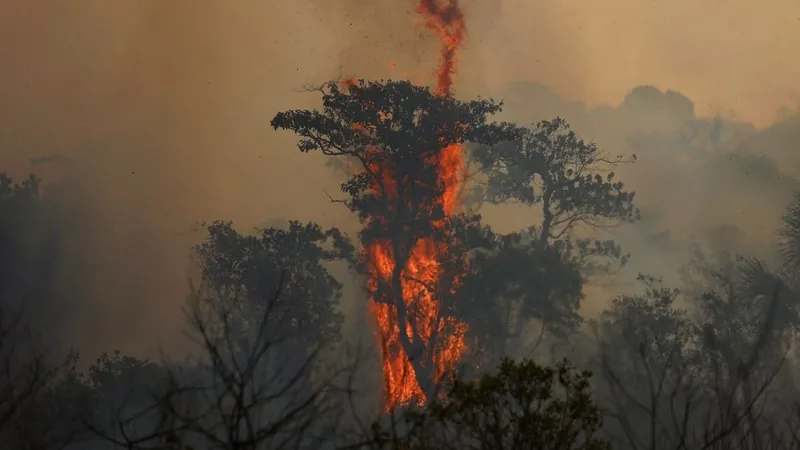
(497, 256)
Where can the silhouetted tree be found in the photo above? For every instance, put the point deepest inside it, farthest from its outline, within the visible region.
(521, 406)
(243, 271)
(124, 396)
(28, 248)
(512, 281)
(648, 366)
(675, 380)
(749, 318)
(550, 167)
(747, 309)
(238, 393)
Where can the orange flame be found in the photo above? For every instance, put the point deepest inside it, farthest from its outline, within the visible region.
(348, 82)
(424, 267)
(446, 20)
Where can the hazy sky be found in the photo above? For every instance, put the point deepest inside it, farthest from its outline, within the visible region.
(723, 54)
(164, 108)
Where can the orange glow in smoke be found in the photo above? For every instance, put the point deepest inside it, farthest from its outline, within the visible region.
(446, 20)
(424, 267)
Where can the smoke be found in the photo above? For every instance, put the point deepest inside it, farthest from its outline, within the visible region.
(722, 55)
(159, 112)
(145, 117)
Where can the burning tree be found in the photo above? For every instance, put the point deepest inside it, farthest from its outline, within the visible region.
(406, 142)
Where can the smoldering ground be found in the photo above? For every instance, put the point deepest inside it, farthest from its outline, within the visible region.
(159, 113)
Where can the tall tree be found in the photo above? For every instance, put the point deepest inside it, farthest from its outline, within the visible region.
(402, 137)
(569, 180)
(569, 183)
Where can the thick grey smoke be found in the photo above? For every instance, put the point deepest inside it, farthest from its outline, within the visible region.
(158, 114)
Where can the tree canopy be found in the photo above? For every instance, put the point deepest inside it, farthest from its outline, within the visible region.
(243, 273)
(397, 134)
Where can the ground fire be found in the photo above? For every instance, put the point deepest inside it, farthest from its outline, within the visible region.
(443, 337)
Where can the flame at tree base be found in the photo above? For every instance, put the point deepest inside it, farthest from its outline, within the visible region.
(443, 337)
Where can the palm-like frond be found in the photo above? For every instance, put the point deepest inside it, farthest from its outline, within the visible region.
(756, 279)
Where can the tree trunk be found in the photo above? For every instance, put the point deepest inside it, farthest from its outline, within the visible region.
(413, 346)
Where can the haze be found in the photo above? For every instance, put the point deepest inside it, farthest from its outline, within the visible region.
(159, 113)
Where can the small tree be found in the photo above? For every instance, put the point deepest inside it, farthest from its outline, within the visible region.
(242, 272)
(522, 406)
(649, 369)
(124, 396)
(747, 317)
(263, 318)
(237, 394)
